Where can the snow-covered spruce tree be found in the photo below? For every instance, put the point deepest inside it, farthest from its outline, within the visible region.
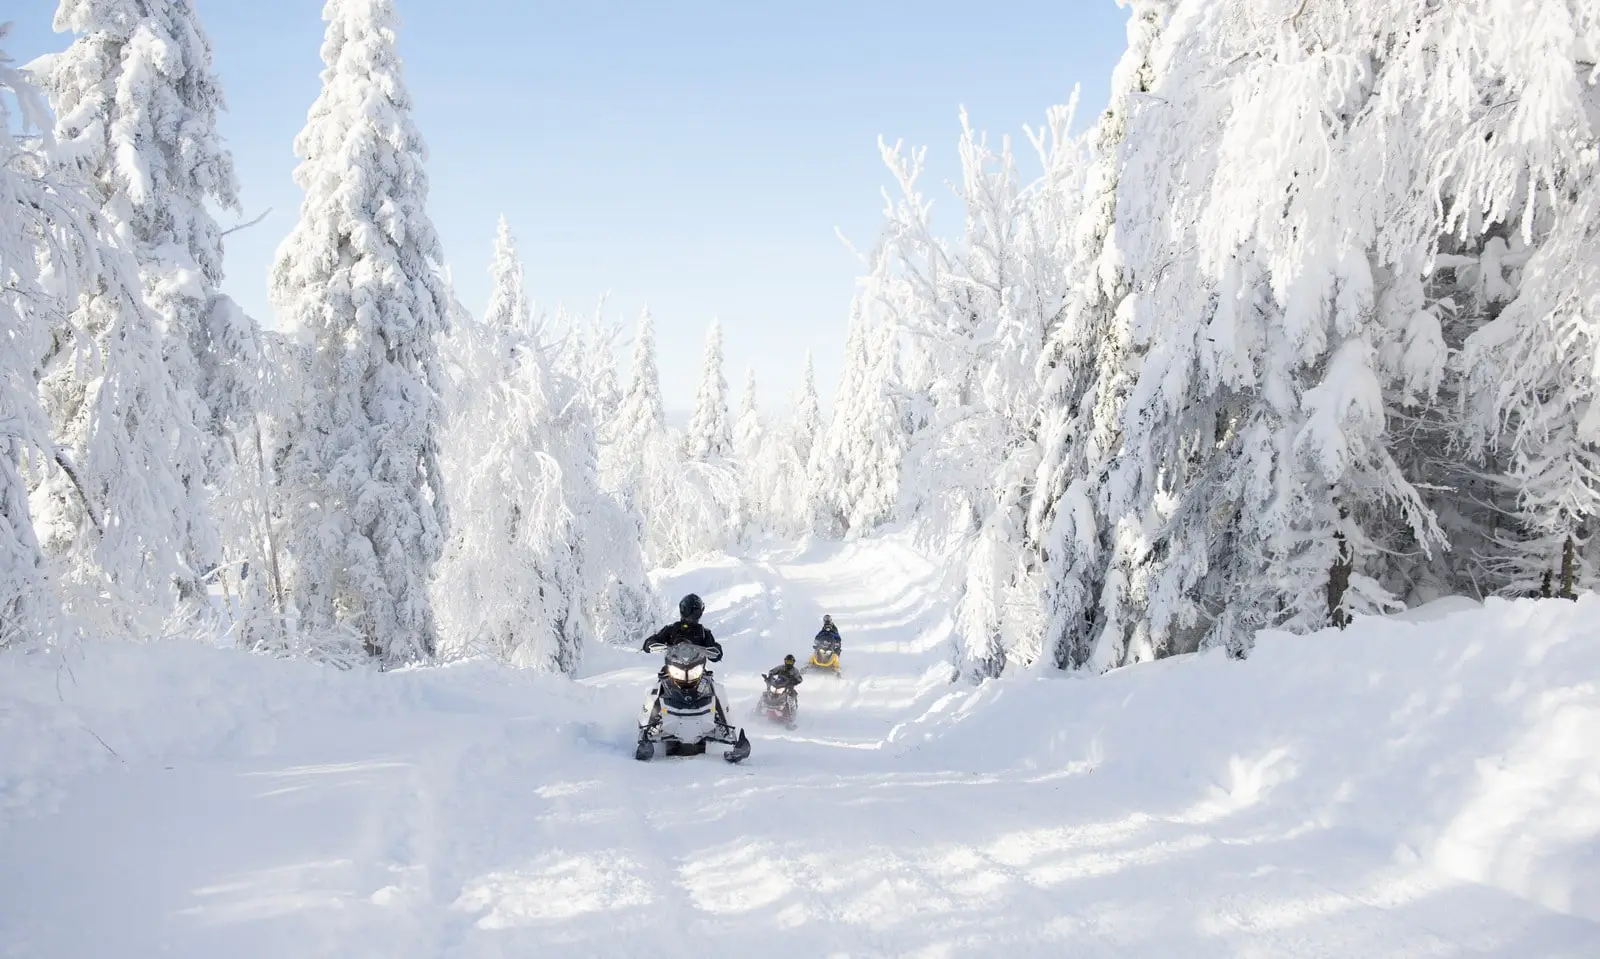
(256, 525)
(687, 508)
(974, 314)
(46, 253)
(752, 459)
(855, 470)
(1532, 390)
(1082, 374)
(785, 457)
(359, 278)
(621, 604)
(509, 311)
(509, 583)
(827, 473)
(1020, 275)
(641, 416)
(1278, 315)
(598, 370)
(807, 411)
(137, 103)
(710, 436)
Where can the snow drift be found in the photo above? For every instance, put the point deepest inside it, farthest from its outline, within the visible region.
(1401, 788)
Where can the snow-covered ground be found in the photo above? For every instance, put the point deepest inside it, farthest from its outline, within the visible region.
(1406, 788)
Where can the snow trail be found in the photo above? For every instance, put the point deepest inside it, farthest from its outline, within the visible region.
(1400, 790)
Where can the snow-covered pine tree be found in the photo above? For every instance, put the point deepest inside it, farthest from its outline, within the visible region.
(1020, 274)
(509, 310)
(1278, 316)
(687, 508)
(641, 417)
(137, 102)
(855, 470)
(510, 581)
(46, 250)
(752, 458)
(1532, 397)
(360, 279)
(598, 369)
(710, 436)
(827, 472)
(620, 603)
(1070, 524)
(807, 411)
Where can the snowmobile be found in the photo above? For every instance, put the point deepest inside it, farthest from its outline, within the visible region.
(825, 654)
(684, 712)
(777, 701)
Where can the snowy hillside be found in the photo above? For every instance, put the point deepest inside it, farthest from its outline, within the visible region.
(1426, 788)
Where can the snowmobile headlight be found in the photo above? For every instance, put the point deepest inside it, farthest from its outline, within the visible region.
(678, 674)
(696, 671)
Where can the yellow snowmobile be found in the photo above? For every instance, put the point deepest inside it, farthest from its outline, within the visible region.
(825, 654)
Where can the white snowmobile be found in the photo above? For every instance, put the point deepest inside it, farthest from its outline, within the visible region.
(684, 710)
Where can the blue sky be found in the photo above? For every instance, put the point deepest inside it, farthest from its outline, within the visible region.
(696, 155)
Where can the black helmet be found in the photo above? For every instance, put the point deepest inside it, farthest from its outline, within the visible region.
(827, 620)
(690, 607)
(788, 660)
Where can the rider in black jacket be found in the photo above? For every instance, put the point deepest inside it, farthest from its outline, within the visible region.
(687, 630)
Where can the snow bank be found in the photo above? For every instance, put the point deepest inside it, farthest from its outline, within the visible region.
(1468, 740)
(64, 713)
(1398, 789)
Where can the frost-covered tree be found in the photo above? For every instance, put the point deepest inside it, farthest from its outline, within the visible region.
(1273, 319)
(359, 279)
(749, 436)
(510, 582)
(641, 416)
(509, 310)
(855, 470)
(46, 249)
(622, 605)
(597, 371)
(137, 104)
(710, 435)
(1081, 374)
(686, 508)
(807, 411)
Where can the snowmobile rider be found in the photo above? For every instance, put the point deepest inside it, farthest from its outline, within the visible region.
(788, 673)
(687, 630)
(828, 631)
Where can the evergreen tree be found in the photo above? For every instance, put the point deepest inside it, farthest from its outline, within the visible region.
(749, 435)
(359, 279)
(685, 508)
(509, 310)
(1075, 522)
(511, 581)
(41, 233)
(807, 412)
(710, 437)
(138, 103)
(856, 469)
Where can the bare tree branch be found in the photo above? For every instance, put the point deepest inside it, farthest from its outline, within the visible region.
(245, 226)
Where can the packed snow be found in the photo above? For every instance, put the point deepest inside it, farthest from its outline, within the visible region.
(1401, 788)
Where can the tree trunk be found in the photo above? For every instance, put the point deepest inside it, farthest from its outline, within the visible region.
(1339, 583)
(1569, 569)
